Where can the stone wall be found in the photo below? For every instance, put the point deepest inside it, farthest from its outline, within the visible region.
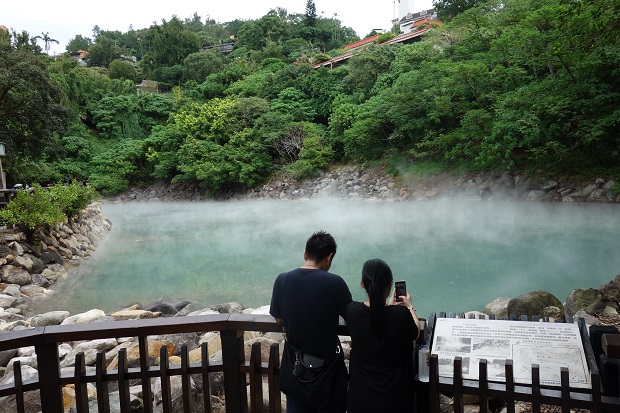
(28, 268)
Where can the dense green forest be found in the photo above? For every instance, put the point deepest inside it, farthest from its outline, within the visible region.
(521, 85)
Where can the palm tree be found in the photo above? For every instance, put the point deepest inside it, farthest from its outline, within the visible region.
(47, 40)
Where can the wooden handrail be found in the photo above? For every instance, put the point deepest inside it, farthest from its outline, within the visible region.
(236, 368)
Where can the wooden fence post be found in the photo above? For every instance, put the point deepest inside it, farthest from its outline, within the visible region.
(235, 392)
(433, 394)
(48, 365)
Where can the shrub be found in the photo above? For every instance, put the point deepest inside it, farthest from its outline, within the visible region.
(73, 198)
(314, 156)
(41, 208)
(32, 210)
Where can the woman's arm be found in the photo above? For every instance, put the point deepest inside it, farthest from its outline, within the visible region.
(406, 302)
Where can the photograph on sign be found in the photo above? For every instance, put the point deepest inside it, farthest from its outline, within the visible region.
(550, 345)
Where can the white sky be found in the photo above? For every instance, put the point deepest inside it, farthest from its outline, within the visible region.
(64, 19)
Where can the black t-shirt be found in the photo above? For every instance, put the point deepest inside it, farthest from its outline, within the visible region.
(310, 301)
(380, 381)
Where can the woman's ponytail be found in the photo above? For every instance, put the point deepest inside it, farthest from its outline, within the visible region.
(377, 277)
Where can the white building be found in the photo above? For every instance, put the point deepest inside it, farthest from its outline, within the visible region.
(406, 19)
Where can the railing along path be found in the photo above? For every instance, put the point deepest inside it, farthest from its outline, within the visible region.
(239, 373)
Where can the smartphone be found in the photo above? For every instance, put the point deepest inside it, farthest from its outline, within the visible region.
(401, 289)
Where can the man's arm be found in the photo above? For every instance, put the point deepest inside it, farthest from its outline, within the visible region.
(344, 298)
(275, 308)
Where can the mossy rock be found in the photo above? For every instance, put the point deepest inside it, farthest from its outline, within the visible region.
(533, 303)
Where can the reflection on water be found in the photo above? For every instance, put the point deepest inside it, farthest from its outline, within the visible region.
(455, 256)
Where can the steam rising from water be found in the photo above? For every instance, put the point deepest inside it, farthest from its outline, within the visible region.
(454, 255)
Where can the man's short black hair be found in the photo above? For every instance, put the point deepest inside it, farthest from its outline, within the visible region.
(320, 245)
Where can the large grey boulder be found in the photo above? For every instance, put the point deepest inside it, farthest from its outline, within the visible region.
(497, 307)
(37, 265)
(167, 308)
(6, 356)
(15, 275)
(84, 318)
(135, 403)
(590, 300)
(4, 251)
(32, 402)
(234, 307)
(16, 248)
(611, 290)
(6, 300)
(204, 311)
(24, 261)
(51, 256)
(8, 316)
(12, 290)
(176, 392)
(53, 271)
(533, 303)
(90, 357)
(33, 290)
(13, 326)
(27, 363)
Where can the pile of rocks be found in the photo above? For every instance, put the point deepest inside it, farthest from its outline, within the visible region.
(27, 268)
(352, 183)
(349, 182)
(593, 304)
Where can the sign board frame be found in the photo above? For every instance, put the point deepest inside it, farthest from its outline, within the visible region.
(550, 345)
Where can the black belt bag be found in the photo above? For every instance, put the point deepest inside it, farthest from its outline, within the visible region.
(308, 379)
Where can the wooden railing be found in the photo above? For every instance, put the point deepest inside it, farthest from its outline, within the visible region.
(233, 365)
(239, 373)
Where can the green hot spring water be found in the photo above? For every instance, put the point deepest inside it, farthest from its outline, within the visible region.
(454, 255)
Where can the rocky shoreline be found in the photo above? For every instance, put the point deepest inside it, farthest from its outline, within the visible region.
(350, 182)
(27, 269)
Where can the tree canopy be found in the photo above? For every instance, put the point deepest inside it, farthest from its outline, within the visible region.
(501, 85)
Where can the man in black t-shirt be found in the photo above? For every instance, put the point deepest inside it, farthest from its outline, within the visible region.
(308, 301)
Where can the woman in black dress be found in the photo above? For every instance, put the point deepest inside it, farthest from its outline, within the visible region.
(382, 336)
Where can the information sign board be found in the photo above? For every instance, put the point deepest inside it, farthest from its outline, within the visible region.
(550, 345)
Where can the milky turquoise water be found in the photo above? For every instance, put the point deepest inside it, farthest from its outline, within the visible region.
(454, 255)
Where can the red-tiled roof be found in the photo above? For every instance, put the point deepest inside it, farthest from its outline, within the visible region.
(362, 42)
(397, 39)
